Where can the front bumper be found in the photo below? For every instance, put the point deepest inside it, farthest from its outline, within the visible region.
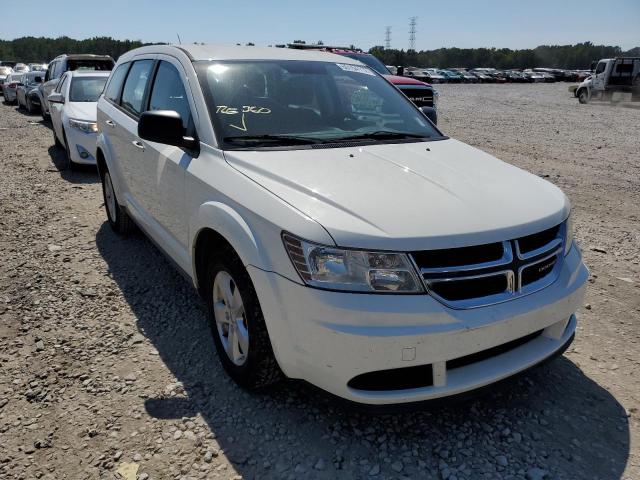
(82, 146)
(328, 338)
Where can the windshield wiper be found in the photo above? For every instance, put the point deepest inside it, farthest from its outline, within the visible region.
(288, 139)
(381, 135)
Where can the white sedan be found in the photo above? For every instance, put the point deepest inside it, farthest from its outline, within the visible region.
(73, 114)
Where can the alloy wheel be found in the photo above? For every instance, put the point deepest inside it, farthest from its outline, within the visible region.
(110, 198)
(230, 318)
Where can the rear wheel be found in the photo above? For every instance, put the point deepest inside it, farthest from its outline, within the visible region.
(29, 106)
(119, 220)
(239, 331)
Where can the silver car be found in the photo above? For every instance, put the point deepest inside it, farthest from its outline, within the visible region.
(30, 82)
(10, 86)
(4, 72)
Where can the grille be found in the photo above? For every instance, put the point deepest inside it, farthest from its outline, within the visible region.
(421, 376)
(481, 275)
(491, 352)
(421, 96)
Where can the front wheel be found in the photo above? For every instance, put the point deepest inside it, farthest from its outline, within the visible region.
(583, 96)
(238, 327)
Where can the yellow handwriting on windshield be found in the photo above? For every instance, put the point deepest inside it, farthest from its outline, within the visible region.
(226, 110)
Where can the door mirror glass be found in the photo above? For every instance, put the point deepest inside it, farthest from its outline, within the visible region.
(164, 126)
(56, 98)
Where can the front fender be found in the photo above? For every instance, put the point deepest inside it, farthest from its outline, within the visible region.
(227, 222)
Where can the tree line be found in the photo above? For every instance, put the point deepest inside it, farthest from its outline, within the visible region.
(578, 56)
(42, 49)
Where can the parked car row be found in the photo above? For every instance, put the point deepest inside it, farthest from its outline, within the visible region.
(66, 93)
(490, 75)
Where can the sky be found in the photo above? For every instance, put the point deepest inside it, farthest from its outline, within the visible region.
(463, 23)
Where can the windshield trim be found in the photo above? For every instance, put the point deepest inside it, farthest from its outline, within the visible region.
(218, 131)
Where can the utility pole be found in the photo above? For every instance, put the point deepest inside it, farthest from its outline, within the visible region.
(387, 37)
(412, 33)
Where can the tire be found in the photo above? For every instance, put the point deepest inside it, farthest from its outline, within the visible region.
(45, 116)
(119, 220)
(71, 165)
(257, 367)
(29, 106)
(583, 96)
(55, 139)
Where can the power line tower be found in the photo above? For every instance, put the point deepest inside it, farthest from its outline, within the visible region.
(412, 32)
(387, 37)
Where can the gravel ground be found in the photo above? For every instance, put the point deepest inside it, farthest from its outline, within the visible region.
(107, 367)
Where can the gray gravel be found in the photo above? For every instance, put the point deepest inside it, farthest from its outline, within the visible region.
(107, 364)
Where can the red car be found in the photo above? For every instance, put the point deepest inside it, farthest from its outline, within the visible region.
(420, 93)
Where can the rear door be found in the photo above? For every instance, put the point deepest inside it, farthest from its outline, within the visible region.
(129, 147)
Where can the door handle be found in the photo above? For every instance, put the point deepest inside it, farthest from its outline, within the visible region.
(111, 123)
(138, 144)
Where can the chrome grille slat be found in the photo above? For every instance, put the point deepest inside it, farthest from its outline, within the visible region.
(556, 242)
(514, 265)
(507, 258)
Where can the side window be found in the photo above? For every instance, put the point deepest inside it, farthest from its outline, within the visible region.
(600, 68)
(47, 76)
(57, 70)
(62, 84)
(135, 86)
(115, 83)
(168, 93)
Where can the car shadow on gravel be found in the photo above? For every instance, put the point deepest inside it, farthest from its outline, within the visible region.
(82, 174)
(551, 419)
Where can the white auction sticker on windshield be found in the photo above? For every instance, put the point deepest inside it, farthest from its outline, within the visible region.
(347, 67)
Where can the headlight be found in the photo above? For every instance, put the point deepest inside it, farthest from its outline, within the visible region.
(333, 268)
(568, 234)
(86, 127)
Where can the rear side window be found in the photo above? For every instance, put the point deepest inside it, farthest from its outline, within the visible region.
(135, 87)
(168, 93)
(115, 84)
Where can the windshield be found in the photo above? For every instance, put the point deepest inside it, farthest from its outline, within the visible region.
(288, 102)
(369, 60)
(86, 89)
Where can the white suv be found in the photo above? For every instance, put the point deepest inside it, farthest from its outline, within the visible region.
(336, 235)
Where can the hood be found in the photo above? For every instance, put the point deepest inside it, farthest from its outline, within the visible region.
(408, 196)
(398, 80)
(82, 110)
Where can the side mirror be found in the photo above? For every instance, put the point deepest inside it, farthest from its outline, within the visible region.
(56, 98)
(400, 70)
(37, 80)
(431, 113)
(164, 126)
